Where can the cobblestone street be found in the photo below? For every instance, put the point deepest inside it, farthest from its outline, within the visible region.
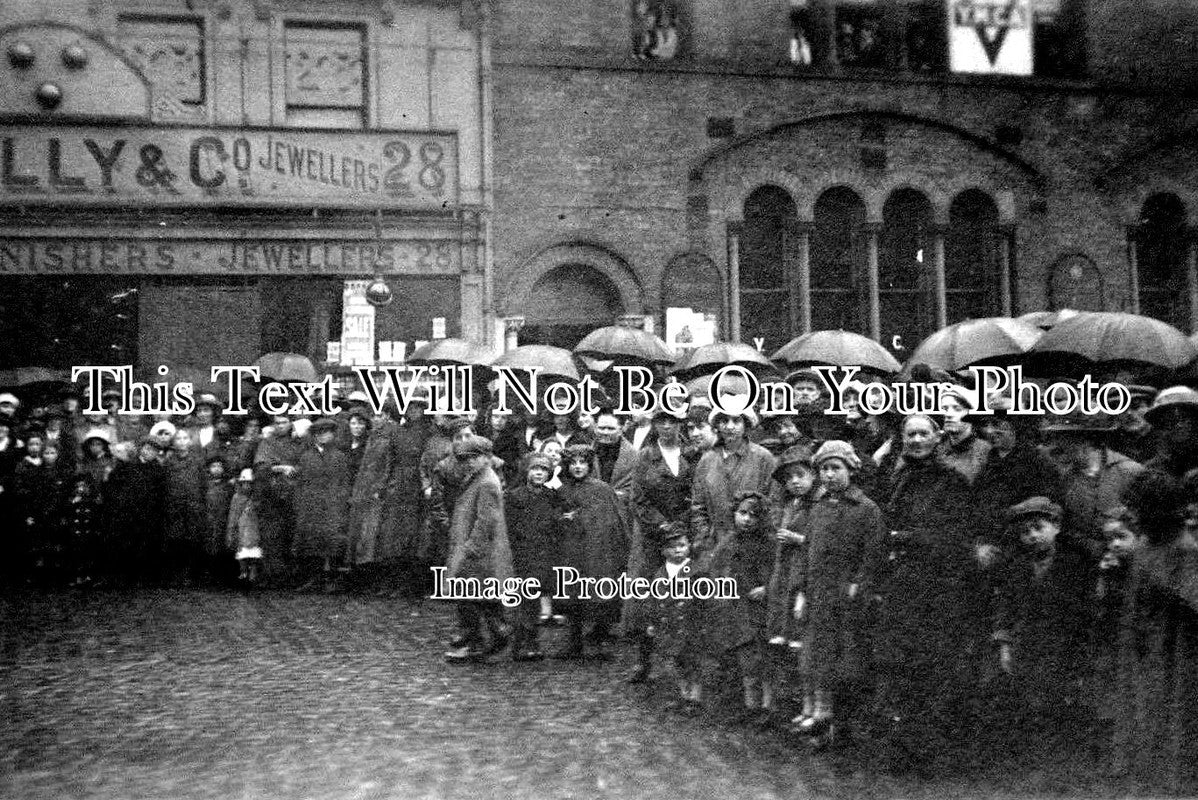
(189, 694)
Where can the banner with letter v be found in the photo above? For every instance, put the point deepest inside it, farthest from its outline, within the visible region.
(990, 36)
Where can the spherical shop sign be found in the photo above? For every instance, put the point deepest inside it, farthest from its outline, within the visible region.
(378, 293)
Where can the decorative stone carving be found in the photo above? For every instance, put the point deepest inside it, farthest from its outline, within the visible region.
(170, 53)
(325, 67)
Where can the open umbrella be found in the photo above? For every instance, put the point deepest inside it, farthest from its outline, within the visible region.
(1046, 320)
(991, 340)
(27, 376)
(710, 357)
(556, 361)
(451, 352)
(618, 343)
(287, 367)
(837, 348)
(1114, 339)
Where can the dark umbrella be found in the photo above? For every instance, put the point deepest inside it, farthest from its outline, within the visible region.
(287, 367)
(710, 357)
(1046, 320)
(732, 384)
(991, 340)
(617, 342)
(451, 352)
(27, 376)
(837, 348)
(1114, 339)
(556, 361)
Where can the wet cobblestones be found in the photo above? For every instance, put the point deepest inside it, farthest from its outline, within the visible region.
(189, 694)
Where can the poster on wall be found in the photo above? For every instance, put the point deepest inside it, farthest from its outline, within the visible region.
(357, 326)
(990, 36)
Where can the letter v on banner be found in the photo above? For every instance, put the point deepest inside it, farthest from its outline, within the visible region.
(990, 36)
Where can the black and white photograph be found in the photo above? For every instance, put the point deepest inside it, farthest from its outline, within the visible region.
(605, 399)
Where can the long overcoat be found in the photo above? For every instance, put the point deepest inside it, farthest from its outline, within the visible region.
(321, 502)
(478, 539)
(658, 497)
(845, 547)
(534, 523)
(595, 542)
(186, 504)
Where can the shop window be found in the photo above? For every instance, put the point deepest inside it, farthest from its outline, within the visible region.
(925, 42)
(1162, 256)
(326, 81)
(838, 287)
(63, 322)
(904, 279)
(765, 290)
(170, 51)
(859, 40)
(655, 30)
(1057, 49)
(802, 33)
(971, 258)
(301, 315)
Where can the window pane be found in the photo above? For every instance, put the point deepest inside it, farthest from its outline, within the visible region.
(971, 262)
(904, 267)
(859, 36)
(1161, 251)
(838, 285)
(765, 314)
(761, 248)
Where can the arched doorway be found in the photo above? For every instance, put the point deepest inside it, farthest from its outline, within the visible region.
(568, 302)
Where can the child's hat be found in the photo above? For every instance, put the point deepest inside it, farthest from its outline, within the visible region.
(210, 400)
(10, 398)
(835, 448)
(676, 530)
(246, 476)
(322, 425)
(795, 454)
(1035, 507)
(473, 445)
(163, 427)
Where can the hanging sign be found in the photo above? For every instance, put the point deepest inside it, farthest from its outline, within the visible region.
(990, 36)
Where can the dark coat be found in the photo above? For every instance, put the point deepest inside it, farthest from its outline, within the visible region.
(186, 505)
(846, 546)
(1086, 499)
(134, 502)
(595, 542)
(321, 502)
(1156, 725)
(1005, 481)
(1044, 615)
(217, 498)
(748, 559)
(478, 540)
(717, 480)
(404, 507)
(679, 625)
(534, 523)
(789, 571)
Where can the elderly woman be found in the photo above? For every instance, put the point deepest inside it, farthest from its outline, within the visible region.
(932, 624)
(734, 465)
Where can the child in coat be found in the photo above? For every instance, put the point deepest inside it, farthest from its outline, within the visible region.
(1042, 614)
(845, 545)
(217, 496)
(82, 519)
(534, 519)
(796, 479)
(242, 530)
(746, 554)
(676, 627)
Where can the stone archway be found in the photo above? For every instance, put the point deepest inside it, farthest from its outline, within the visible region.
(567, 303)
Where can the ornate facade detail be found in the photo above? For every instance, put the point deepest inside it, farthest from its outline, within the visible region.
(325, 67)
(171, 54)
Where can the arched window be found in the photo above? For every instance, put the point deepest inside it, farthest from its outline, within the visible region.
(971, 258)
(567, 303)
(839, 291)
(1162, 256)
(765, 290)
(905, 280)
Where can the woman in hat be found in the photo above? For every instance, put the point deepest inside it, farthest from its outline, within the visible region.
(96, 459)
(932, 625)
(845, 548)
(661, 488)
(734, 465)
(275, 463)
(960, 447)
(1174, 417)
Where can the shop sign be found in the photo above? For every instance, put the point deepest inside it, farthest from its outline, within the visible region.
(183, 166)
(227, 256)
(990, 36)
(357, 325)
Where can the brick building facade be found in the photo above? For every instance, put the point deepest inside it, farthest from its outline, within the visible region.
(814, 164)
(191, 183)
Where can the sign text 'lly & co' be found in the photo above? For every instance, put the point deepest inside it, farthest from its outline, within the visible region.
(197, 166)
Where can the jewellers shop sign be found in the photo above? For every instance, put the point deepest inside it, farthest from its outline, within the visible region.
(243, 166)
(990, 36)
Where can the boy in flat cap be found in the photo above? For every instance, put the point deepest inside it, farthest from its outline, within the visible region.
(1042, 616)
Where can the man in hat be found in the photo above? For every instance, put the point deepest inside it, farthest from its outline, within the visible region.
(202, 425)
(615, 456)
(321, 503)
(8, 409)
(1174, 417)
(478, 548)
(1134, 435)
(1093, 476)
(445, 479)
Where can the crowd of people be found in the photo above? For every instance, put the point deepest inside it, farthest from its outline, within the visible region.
(924, 582)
